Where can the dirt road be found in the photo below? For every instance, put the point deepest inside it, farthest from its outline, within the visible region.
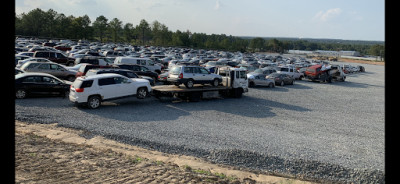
(51, 154)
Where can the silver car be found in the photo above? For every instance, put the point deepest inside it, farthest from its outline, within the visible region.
(258, 77)
(51, 68)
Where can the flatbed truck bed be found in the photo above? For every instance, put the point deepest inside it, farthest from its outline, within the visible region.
(196, 93)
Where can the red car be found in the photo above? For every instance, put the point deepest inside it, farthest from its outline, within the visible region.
(62, 47)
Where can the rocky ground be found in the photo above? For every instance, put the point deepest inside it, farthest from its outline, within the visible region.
(59, 157)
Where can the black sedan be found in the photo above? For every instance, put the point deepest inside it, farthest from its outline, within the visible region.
(139, 70)
(30, 84)
(281, 78)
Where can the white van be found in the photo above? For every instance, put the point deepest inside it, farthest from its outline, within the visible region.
(139, 61)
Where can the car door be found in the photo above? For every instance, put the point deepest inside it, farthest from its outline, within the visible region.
(44, 68)
(33, 84)
(52, 85)
(108, 88)
(204, 75)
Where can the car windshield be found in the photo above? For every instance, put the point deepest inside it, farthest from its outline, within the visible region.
(175, 70)
(258, 71)
(284, 69)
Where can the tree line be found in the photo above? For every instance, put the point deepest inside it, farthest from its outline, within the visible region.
(39, 23)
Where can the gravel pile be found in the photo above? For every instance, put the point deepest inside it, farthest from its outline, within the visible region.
(320, 132)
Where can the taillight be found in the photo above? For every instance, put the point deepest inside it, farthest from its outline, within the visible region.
(181, 76)
(79, 90)
(277, 78)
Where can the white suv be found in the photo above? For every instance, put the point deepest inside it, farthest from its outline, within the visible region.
(190, 75)
(92, 90)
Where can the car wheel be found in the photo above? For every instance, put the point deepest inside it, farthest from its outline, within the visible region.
(141, 93)
(189, 83)
(271, 85)
(20, 94)
(94, 102)
(215, 82)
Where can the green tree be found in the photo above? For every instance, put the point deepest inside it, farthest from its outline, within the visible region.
(115, 27)
(100, 27)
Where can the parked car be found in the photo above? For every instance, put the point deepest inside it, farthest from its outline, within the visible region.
(51, 68)
(260, 80)
(93, 90)
(85, 67)
(190, 75)
(20, 57)
(91, 60)
(140, 70)
(21, 62)
(56, 57)
(18, 71)
(62, 47)
(124, 72)
(281, 78)
(139, 61)
(163, 78)
(30, 84)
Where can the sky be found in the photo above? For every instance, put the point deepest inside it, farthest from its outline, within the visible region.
(333, 19)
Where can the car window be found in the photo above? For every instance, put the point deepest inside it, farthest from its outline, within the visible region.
(44, 66)
(32, 79)
(106, 81)
(118, 80)
(243, 74)
(49, 80)
(203, 71)
(55, 67)
(188, 70)
(59, 55)
(131, 75)
(144, 69)
(87, 84)
(52, 54)
(42, 54)
(175, 70)
(142, 62)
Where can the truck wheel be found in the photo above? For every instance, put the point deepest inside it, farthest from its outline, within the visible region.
(94, 102)
(237, 93)
(189, 83)
(141, 93)
(215, 82)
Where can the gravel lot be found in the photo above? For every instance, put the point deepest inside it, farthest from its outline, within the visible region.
(317, 131)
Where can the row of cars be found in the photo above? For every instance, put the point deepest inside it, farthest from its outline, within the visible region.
(131, 75)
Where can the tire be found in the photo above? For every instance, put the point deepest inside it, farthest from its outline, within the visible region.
(21, 94)
(238, 92)
(94, 102)
(141, 93)
(251, 84)
(271, 85)
(189, 84)
(215, 82)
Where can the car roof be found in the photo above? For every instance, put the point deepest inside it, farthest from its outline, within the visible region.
(110, 69)
(315, 66)
(99, 76)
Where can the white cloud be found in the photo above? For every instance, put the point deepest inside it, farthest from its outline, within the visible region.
(327, 15)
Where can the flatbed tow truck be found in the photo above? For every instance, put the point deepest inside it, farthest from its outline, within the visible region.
(234, 84)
